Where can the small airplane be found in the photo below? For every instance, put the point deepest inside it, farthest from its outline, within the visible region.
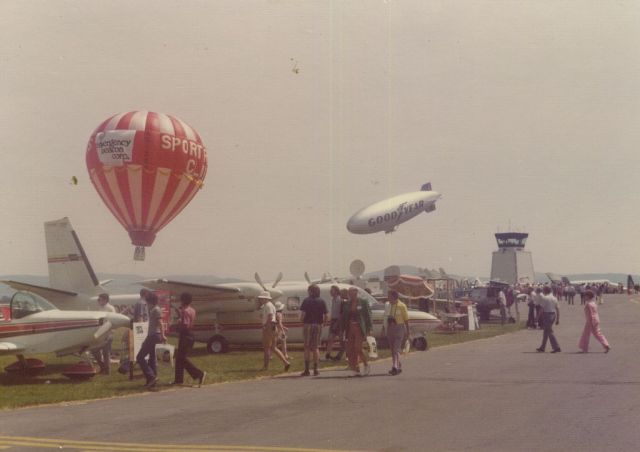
(30, 324)
(388, 214)
(229, 313)
(556, 279)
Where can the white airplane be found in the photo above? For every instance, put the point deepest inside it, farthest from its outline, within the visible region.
(390, 213)
(30, 324)
(229, 313)
(556, 279)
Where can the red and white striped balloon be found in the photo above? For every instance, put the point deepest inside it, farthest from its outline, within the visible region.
(146, 167)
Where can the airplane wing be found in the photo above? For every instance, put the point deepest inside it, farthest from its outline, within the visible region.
(9, 348)
(228, 297)
(198, 291)
(55, 296)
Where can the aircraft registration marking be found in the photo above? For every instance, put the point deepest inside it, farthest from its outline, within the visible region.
(57, 443)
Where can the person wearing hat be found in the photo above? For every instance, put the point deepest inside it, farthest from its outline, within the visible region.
(281, 330)
(269, 331)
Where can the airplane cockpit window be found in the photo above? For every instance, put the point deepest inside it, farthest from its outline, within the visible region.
(367, 296)
(26, 303)
(293, 303)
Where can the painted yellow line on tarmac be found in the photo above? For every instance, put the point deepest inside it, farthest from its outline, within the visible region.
(57, 443)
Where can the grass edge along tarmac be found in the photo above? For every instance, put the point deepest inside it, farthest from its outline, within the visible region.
(239, 364)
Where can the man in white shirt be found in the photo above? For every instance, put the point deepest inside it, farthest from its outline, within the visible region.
(102, 355)
(551, 313)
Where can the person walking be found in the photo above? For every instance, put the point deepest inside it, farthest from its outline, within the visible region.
(356, 318)
(592, 325)
(269, 331)
(155, 335)
(313, 313)
(102, 355)
(185, 343)
(396, 327)
(281, 330)
(551, 314)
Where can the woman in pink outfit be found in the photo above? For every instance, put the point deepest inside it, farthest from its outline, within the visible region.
(592, 325)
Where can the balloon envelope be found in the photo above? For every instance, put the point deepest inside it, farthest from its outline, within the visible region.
(146, 167)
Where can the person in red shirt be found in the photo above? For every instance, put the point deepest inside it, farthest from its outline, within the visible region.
(185, 343)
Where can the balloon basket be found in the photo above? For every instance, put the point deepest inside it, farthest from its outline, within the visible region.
(138, 254)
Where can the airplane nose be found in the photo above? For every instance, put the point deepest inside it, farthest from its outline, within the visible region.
(118, 320)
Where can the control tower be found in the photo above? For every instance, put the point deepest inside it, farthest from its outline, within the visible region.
(511, 263)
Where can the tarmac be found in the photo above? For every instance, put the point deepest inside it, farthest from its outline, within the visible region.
(496, 394)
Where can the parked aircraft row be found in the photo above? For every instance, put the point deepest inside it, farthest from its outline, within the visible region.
(227, 313)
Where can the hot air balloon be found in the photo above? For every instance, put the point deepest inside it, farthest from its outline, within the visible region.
(146, 167)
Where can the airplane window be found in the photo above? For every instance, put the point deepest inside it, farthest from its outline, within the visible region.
(26, 303)
(362, 294)
(293, 303)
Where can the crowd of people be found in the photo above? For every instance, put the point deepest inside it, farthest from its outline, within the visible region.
(350, 323)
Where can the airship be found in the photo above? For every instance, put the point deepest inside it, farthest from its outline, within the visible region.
(387, 215)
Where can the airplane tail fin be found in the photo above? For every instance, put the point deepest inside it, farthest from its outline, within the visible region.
(426, 187)
(69, 267)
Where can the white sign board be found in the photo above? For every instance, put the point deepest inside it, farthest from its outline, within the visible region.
(139, 335)
(115, 147)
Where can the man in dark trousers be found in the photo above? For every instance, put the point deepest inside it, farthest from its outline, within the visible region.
(185, 343)
(314, 313)
(155, 335)
(551, 313)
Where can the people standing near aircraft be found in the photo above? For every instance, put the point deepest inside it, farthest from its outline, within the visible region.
(335, 325)
(281, 330)
(269, 331)
(531, 304)
(502, 304)
(551, 313)
(356, 318)
(570, 292)
(102, 355)
(592, 325)
(185, 343)
(313, 313)
(600, 293)
(396, 327)
(140, 309)
(155, 335)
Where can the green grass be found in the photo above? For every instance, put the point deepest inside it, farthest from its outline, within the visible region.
(239, 364)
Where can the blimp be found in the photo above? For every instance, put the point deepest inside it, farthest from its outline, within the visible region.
(387, 215)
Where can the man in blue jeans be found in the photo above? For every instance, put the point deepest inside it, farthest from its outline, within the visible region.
(155, 335)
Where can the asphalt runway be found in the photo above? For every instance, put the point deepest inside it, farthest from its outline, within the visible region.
(497, 394)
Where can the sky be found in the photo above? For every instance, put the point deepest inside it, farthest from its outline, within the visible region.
(524, 115)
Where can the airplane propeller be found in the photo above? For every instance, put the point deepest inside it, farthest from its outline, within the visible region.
(278, 279)
(274, 293)
(104, 329)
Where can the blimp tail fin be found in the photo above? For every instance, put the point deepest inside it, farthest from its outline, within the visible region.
(426, 187)
(69, 267)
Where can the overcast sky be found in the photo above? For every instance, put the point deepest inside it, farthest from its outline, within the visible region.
(522, 113)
